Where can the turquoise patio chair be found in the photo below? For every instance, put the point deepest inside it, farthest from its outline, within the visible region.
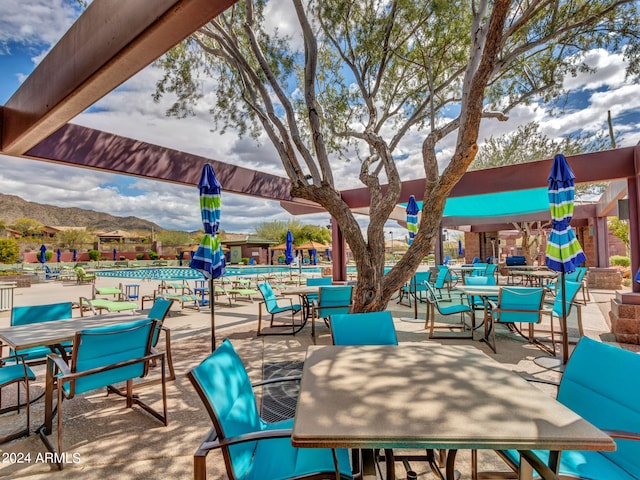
(443, 281)
(476, 302)
(39, 314)
(271, 303)
(331, 300)
(516, 305)
(102, 357)
(446, 310)
(372, 328)
(601, 384)
(14, 370)
(416, 287)
(555, 312)
(252, 448)
(159, 312)
(316, 282)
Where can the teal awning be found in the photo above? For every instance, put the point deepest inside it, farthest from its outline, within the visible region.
(502, 204)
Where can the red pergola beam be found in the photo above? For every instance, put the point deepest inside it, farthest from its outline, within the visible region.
(78, 146)
(111, 41)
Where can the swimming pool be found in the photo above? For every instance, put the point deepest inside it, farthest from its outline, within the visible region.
(186, 273)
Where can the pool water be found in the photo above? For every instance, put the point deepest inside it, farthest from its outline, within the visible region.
(186, 273)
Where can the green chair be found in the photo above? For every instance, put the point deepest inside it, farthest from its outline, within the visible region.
(372, 328)
(601, 384)
(454, 309)
(331, 300)
(14, 370)
(273, 307)
(83, 277)
(252, 448)
(97, 305)
(515, 305)
(102, 357)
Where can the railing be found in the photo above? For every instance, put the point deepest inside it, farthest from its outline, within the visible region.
(6, 296)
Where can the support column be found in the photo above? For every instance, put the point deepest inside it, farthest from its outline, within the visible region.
(600, 233)
(338, 253)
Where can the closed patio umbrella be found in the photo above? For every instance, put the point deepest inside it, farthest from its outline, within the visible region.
(563, 253)
(58, 253)
(75, 255)
(43, 257)
(115, 254)
(412, 219)
(209, 259)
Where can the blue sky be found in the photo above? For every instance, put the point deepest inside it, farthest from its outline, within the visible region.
(29, 28)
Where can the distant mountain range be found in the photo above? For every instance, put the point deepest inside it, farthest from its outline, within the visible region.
(13, 207)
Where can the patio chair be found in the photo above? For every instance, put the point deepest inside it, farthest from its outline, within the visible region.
(443, 281)
(14, 370)
(102, 357)
(446, 310)
(271, 303)
(83, 277)
(38, 314)
(600, 383)
(252, 448)
(515, 305)
(475, 301)
(416, 287)
(572, 289)
(115, 292)
(331, 300)
(159, 312)
(372, 328)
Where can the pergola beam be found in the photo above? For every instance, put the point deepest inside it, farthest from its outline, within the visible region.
(111, 41)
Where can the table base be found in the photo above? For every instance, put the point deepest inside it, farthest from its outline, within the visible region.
(550, 363)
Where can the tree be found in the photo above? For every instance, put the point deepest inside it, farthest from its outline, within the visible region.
(73, 238)
(369, 75)
(175, 238)
(277, 232)
(27, 226)
(620, 228)
(9, 250)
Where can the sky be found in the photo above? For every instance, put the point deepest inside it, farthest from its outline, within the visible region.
(29, 28)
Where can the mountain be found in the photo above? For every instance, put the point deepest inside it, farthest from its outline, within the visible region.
(13, 207)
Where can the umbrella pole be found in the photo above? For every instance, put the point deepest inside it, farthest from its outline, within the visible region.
(212, 297)
(415, 298)
(565, 333)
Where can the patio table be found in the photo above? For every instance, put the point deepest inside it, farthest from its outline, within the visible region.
(303, 291)
(431, 396)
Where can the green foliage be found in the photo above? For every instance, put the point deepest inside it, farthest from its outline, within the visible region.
(277, 232)
(620, 229)
(9, 250)
(139, 256)
(73, 238)
(94, 255)
(27, 226)
(619, 261)
(153, 255)
(48, 255)
(174, 238)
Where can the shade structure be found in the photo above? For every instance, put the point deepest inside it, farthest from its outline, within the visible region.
(412, 218)
(43, 254)
(563, 253)
(288, 252)
(209, 259)
(58, 253)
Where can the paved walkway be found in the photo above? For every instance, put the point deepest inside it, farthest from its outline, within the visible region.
(111, 441)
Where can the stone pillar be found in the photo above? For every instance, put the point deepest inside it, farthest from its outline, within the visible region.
(625, 317)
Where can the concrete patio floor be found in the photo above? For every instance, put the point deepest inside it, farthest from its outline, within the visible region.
(111, 441)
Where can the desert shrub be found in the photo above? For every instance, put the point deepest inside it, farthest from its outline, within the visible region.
(94, 255)
(619, 261)
(9, 250)
(139, 256)
(153, 255)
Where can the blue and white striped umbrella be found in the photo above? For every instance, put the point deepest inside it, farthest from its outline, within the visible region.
(412, 219)
(563, 253)
(209, 258)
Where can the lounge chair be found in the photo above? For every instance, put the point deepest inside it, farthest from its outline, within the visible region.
(14, 370)
(252, 448)
(97, 305)
(102, 357)
(115, 292)
(84, 277)
(273, 307)
(180, 292)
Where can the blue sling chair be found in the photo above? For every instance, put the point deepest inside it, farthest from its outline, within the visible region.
(14, 370)
(102, 357)
(376, 328)
(273, 307)
(331, 300)
(445, 310)
(252, 448)
(601, 384)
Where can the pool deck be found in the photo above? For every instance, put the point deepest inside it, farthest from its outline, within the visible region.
(114, 442)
